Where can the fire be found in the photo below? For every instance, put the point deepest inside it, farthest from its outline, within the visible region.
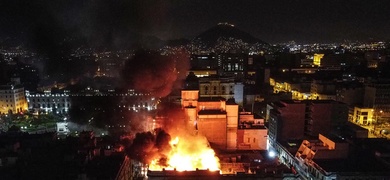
(189, 154)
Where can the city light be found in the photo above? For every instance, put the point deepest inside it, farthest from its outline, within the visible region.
(121, 89)
(271, 154)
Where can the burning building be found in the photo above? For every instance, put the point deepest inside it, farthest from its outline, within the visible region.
(187, 151)
(220, 121)
(184, 152)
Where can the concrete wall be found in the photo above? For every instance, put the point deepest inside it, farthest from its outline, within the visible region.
(252, 139)
(211, 105)
(232, 124)
(291, 123)
(213, 127)
(189, 97)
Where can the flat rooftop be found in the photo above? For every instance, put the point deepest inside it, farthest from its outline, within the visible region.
(213, 99)
(211, 112)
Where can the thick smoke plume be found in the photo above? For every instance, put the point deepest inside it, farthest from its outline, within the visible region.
(147, 146)
(150, 72)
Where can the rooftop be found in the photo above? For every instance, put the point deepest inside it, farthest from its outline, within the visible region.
(362, 164)
(214, 99)
(211, 112)
(10, 87)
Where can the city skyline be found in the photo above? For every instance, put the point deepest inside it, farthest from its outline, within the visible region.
(146, 89)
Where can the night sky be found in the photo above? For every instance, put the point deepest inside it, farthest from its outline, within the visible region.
(107, 21)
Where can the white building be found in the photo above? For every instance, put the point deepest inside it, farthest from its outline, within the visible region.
(49, 102)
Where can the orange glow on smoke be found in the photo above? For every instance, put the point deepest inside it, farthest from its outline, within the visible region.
(189, 154)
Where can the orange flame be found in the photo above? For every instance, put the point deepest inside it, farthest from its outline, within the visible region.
(187, 155)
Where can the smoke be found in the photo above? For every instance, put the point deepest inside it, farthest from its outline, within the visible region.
(147, 146)
(150, 72)
(82, 127)
(54, 29)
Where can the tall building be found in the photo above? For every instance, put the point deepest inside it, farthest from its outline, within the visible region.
(203, 61)
(322, 116)
(294, 119)
(286, 121)
(233, 64)
(377, 96)
(211, 117)
(12, 99)
(221, 123)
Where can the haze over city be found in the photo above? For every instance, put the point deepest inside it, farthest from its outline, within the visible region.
(105, 22)
(131, 89)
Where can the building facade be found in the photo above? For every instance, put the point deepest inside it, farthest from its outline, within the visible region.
(48, 102)
(363, 116)
(233, 64)
(226, 87)
(321, 90)
(221, 123)
(377, 96)
(12, 99)
(290, 119)
(251, 133)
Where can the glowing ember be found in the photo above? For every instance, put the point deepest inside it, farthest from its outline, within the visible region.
(189, 154)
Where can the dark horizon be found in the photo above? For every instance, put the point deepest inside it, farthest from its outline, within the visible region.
(107, 22)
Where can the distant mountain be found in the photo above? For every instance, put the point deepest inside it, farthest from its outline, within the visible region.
(221, 38)
(226, 38)
(223, 30)
(178, 42)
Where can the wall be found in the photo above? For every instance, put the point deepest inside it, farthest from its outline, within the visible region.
(213, 127)
(252, 139)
